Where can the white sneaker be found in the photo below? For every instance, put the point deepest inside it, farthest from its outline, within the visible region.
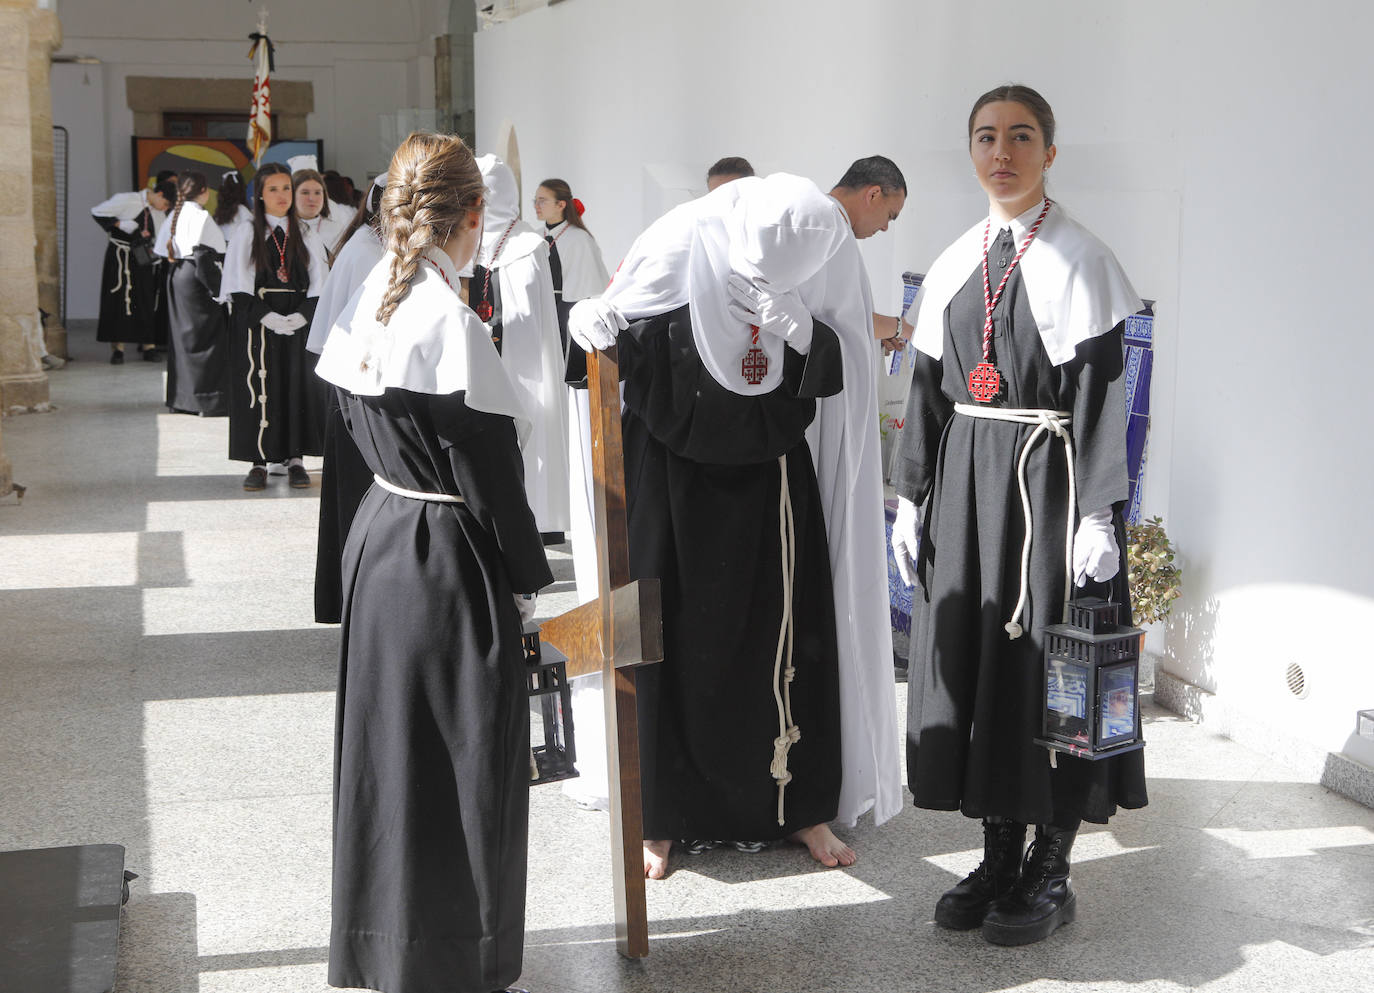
(276, 468)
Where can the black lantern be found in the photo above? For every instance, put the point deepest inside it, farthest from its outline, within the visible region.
(547, 680)
(1092, 683)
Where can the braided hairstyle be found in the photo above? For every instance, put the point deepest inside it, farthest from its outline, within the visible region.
(433, 185)
(190, 186)
(297, 255)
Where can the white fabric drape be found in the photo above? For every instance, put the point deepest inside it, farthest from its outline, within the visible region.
(194, 227)
(354, 262)
(1075, 286)
(433, 343)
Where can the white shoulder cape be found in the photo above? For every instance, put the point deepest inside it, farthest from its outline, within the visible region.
(1076, 288)
(433, 344)
(584, 274)
(194, 227)
(354, 262)
(240, 274)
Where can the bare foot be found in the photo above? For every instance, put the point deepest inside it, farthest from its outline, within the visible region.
(825, 848)
(656, 858)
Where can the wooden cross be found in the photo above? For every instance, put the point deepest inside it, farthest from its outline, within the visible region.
(612, 635)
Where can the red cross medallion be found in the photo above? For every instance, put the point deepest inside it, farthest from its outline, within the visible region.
(984, 382)
(754, 366)
(484, 310)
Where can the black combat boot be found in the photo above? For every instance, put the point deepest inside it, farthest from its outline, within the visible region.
(1043, 898)
(963, 907)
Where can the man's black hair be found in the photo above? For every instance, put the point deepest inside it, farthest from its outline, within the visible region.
(731, 165)
(876, 170)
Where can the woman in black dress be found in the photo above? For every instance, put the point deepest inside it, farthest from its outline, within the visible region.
(432, 759)
(198, 333)
(130, 290)
(1019, 353)
(272, 275)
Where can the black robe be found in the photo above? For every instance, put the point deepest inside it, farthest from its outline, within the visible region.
(198, 336)
(295, 396)
(344, 481)
(975, 695)
(432, 750)
(130, 290)
(702, 494)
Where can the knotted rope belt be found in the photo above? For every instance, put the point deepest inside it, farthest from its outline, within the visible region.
(783, 674)
(415, 494)
(125, 280)
(1045, 422)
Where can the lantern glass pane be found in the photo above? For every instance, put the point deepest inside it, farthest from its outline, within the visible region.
(1116, 694)
(1066, 698)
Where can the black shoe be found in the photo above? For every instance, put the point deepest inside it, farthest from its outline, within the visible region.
(698, 846)
(298, 477)
(256, 478)
(116, 356)
(749, 847)
(963, 907)
(151, 355)
(1043, 898)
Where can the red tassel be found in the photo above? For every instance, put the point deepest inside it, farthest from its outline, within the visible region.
(577, 206)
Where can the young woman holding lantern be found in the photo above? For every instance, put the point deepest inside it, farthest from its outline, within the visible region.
(1015, 430)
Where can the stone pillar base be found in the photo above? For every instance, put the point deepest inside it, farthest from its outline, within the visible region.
(25, 391)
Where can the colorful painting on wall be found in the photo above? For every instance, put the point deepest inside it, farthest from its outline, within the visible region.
(212, 156)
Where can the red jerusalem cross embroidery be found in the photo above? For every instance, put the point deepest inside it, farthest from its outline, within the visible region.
(754, 366)
(984, 382)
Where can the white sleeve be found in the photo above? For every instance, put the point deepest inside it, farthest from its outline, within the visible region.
(124, 206)
(212, 237)
(239, 275)
(160, 239)
(319, 262)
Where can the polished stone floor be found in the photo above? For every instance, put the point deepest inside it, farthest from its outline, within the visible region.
(163, 687)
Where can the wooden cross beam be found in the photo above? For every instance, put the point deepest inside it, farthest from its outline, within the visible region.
(612, 635)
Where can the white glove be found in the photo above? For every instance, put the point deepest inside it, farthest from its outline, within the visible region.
(595, 323)
(906, 538)
(282, 323)
(1095, 555)
(525, 604)
(780, 314)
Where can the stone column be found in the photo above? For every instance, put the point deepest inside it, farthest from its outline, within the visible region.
(45, 37)
(23, 383)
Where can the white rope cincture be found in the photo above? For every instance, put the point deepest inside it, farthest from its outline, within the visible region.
(415, 494)
(259, 393)
(1046, 422)
(788, 733)
(125, 281)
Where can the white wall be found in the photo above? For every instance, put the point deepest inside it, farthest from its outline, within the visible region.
(78, 105)
(364, 59)
(1215, 147)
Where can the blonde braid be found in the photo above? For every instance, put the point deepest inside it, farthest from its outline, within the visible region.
(433, 183)
(172, 228)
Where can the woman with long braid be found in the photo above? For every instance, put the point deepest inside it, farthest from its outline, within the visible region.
(198, 333)
(273, 278)
(432, 761)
